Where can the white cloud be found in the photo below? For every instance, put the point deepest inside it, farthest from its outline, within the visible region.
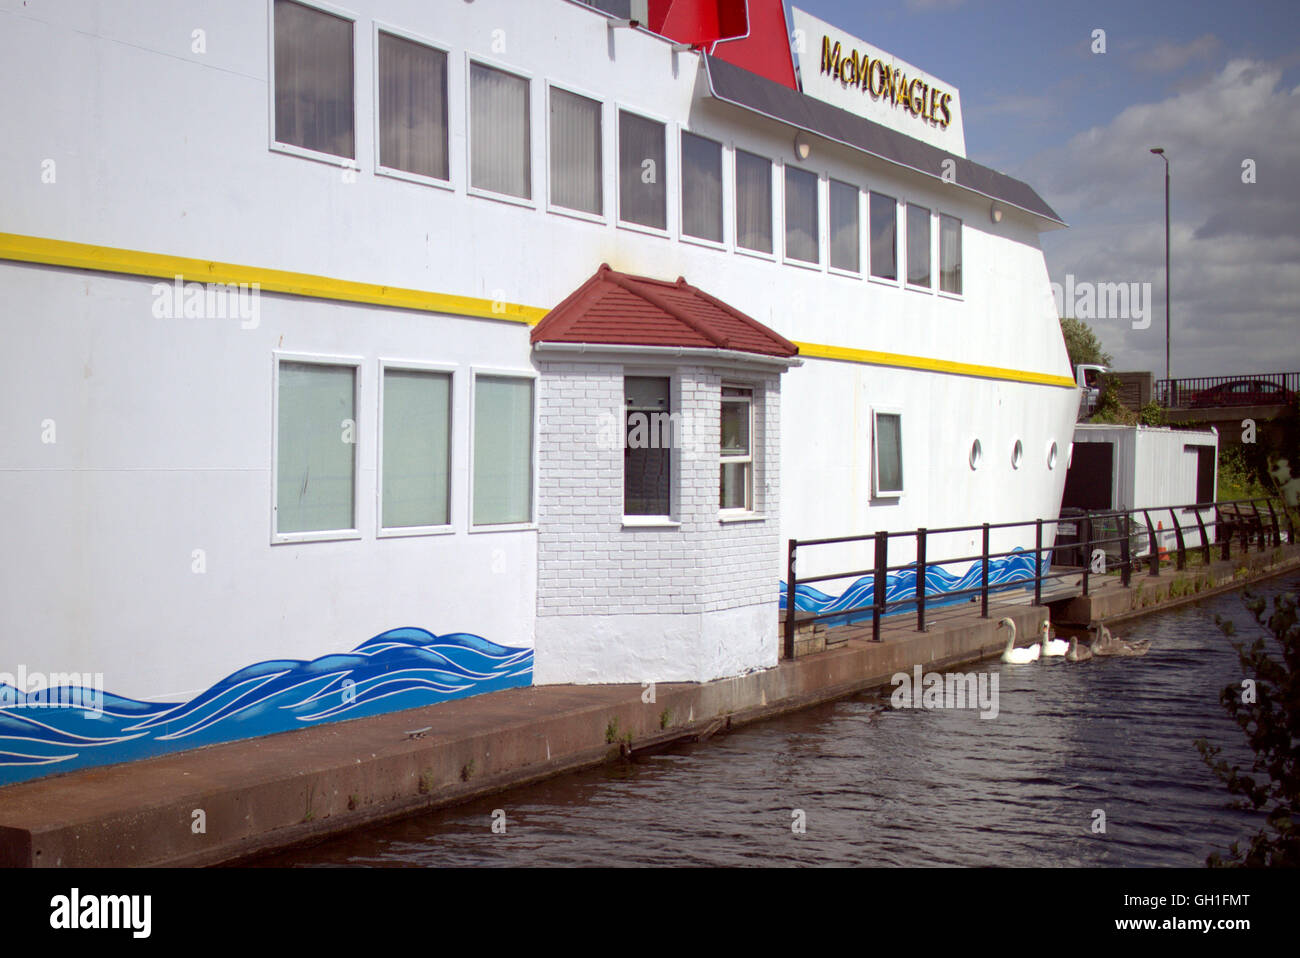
(1235, 247)
(1166, 57)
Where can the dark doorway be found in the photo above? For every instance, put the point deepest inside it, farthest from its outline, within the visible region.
(1090, 482)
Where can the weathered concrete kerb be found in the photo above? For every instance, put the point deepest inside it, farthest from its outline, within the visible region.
(231, 801)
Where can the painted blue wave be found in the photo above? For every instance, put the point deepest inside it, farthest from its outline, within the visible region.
(1007, 572)
(57, 730)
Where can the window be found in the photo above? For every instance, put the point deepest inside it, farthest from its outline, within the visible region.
(412, 107)
(701, 188)
(802, 232)
(949, 254)
(315, 455)
(500, 155)
(313, 80)
(888, 452)
(576, 160)
(753, 202)
(884, 236)
(647, 447)
(845, 234)
(642, 194)
(736, 486)
(503, 450)
(416, 449)
(918, 246)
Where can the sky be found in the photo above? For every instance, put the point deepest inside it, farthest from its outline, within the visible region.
(1214, 83)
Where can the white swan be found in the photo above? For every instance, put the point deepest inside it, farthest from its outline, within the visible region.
(1077, 653)
(1014, 655)
(1051, 646)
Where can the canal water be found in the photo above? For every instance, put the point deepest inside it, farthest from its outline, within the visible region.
(878, 786)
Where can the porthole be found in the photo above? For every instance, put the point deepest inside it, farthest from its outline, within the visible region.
(1051, 456)
(976, 454)
(1017, 454)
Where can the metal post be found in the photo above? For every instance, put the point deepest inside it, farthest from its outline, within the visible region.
(1219, 522)
(1154, 544)
(1038, 562)
(984, 580)
(1205, 539)
(789, 600)
(1085, 526)
(1125, 556)
(1277, 530)
(878, 589)
(1178, 537)
(920, 580)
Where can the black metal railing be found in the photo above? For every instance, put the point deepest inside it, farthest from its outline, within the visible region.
(1252, 521)
(1204, 391)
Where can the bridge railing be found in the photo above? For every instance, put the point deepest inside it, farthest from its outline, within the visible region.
(1180, 393)
(1251, 521)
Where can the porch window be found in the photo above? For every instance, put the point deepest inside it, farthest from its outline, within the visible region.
(736, 485)
(647, 449)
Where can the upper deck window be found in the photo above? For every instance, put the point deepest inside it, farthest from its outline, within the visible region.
(884, 236)
(918, 245)
(576, 163)
(412, 107)
(802, 230)
(642, 149)
(500, 155)
(753, 202)
(949, 254)
(314, 80)
(845, 232)
(701, 188)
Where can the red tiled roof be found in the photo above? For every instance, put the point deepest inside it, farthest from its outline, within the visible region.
(614, 308)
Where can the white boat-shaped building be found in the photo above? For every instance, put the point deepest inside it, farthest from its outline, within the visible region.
(359, 357)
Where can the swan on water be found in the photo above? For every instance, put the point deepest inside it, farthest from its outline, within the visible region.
(1104, 643)
(1077, 652)
(1051, 646)
(1014, 655)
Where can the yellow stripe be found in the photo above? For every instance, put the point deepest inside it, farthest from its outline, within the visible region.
(874, 358)
(51, 252)
(32, 249)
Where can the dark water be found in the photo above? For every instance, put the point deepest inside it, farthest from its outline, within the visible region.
(880, 786)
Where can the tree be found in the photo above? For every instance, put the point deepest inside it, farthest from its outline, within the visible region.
(1082, 344)
(1270, 718)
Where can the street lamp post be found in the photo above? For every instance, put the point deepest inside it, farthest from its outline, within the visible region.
(1160, 152)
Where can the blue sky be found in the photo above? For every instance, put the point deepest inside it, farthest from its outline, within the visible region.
(1215, 83)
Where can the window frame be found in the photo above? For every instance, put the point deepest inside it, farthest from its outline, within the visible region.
(452, 98)
(961, 260)
(726, 171)
(876, 491)
(774, 192)
(470, 189)
(751, 460)
(302, 152)
(601, 218)
(897, 281)
(819, 264)
(671, 186)
(830, 231)
(409, 365)
(356, 363)
(907, 238)
(501, 373)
